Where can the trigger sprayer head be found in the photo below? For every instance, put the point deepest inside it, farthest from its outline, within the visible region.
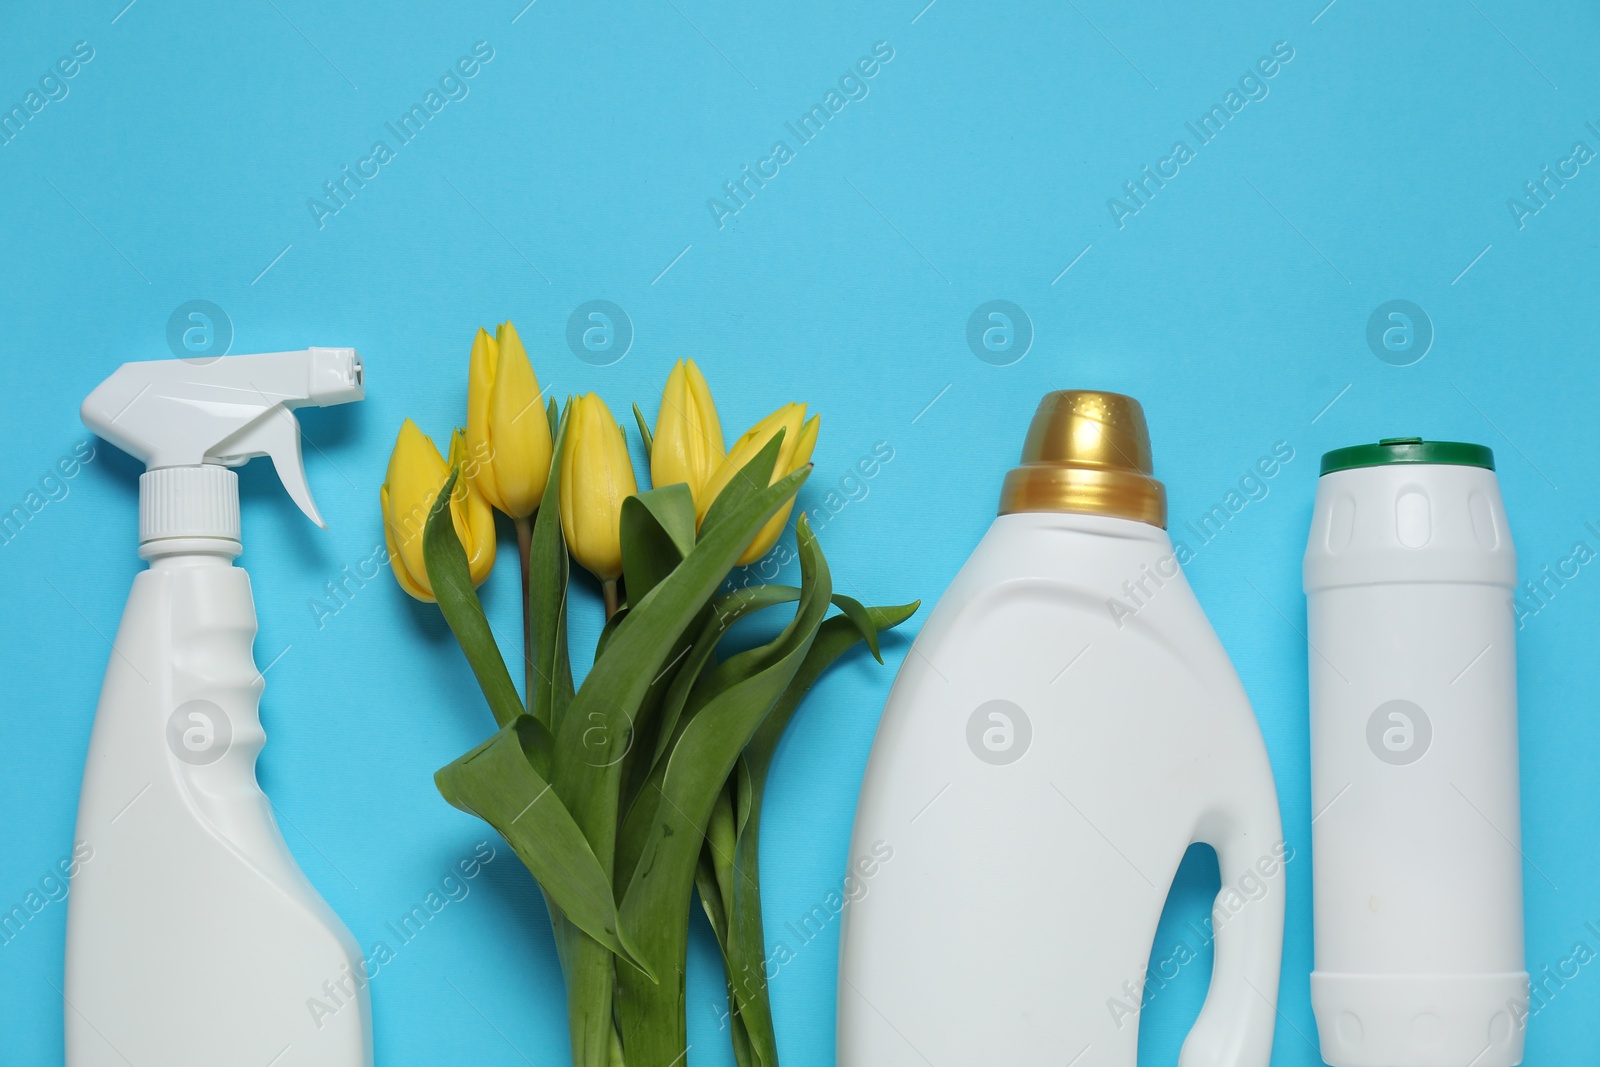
(188, 421)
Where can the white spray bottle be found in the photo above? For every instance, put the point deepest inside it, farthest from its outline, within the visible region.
(193, 938)
(1065, 725)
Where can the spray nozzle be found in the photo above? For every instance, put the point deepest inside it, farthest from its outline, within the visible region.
(174, 414)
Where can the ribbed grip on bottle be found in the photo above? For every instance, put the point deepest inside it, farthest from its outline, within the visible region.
(188, 502)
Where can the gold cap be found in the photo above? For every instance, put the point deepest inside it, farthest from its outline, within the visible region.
(1087, 452)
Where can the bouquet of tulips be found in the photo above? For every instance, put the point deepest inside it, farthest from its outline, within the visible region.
(626, 795)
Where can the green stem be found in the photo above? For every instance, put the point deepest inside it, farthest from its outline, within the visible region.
(653, 1018)
(608, 589)
(591, 976)
(524, 556)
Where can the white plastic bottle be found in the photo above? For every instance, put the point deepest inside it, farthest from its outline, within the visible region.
(1064, 727)
(193, 938)
(1417, 889)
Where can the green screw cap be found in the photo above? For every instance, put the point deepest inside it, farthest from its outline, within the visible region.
(1408, 450)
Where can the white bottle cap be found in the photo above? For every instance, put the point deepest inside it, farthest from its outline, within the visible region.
(188, 502)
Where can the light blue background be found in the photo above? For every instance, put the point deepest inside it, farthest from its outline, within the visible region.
(1234, 305)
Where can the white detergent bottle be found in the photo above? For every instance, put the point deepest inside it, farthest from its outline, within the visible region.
(1417, 885)
(193, 938)
(1063, 728)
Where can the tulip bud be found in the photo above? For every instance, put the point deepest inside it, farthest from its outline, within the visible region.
(508, 434)
(596, 477)
(416, 475)
(799, 438)
(688, 437)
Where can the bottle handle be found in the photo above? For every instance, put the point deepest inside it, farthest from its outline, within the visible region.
(1235, 1025)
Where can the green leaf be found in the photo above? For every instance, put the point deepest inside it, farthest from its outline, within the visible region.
(640, 757)
(673, 508)
(657, 533)
(676, 806)
(610, 628)
(711, 900)
(745, 953)
(743, 1054)
(446, 563)
(617, 1058)
(644, 433)
(858, 614)
(749, 481)
(720, 840)
(548, 572)
(743, 664)
(597, 730)
(538, 745)
(497, 783)
(710, 894)
(590, 971)
(702, 755)
(709, 890)
(725, 611)
(836, 637)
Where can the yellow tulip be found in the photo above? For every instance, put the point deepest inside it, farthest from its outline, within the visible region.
(688, 438)
(799, 438)
(596, 477)
(416, 474)
(508, 434)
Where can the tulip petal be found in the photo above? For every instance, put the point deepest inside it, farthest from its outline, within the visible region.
(788, 419)
(688, 436)
(416, 471)
(519, 433)
(472, 514)
(397, 564)
(706, 408)
(481, 372)
(596, 477)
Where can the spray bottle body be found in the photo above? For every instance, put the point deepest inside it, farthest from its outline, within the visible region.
(1051, 747)
(193, 938)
